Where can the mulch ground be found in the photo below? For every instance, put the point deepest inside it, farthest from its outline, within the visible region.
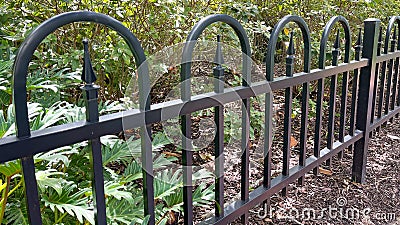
(335, 199)
(329, 198)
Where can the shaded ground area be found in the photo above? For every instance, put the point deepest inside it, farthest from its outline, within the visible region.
(332, 198)
(329, 198)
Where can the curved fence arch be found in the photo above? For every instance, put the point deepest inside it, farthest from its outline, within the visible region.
(363, 120)
(333, 84)
(391, 24)
(41, 32)
(270, 59)
(20, 73)
(325, 35)
(186, 119)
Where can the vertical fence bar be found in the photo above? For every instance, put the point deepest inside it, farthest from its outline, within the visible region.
(90, 92)
(269, 104)
(187, 161)
(398, 71)
(245, 158)
(185, 119)
(332, 97)
(354, 92)
(318, 121)
(304, 126)
(395, 75)
(31, 190)
(365, 94)
(377, 69)
(343, 107)
(343, 104)
(187, 150)
(382, 84)
(268, 138)
(218, 72)
(147, 171)
(390, 73)
(288, 112)
(146, 150)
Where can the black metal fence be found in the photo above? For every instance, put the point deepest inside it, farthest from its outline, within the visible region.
(370, 107)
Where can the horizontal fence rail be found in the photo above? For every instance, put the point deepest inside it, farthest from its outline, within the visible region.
(370, 107)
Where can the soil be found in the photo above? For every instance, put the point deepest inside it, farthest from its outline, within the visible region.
(377, 200)
(331, 197)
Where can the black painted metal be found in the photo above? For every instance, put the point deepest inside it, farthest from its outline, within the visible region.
(273, 40)
(354, 92)
(398, 71)
(394, 101)
(363, 92)
(186, 96)
(270, 62)
(90, 93)
(320, 89)
(377, 69)
(390, 73)
(288, 113)
(219, 136)
(20, 96)
(332, 96)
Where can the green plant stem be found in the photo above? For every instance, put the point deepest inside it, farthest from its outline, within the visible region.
(55, 216)
(12, 190)
(61, 217)
(4, 199)
(16, 187)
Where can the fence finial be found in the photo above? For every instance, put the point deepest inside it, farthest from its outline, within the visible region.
(336, 45)
(290, 57)
(394, 33)
(219, 58)
(87, 74)
(398, 38)
(359, 39)
(290, 50)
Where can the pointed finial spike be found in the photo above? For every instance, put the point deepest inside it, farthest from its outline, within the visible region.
(290, 50)
(398, 27)
(359, 39)
(336, 45)
(87, 74)
(219, 59)
(398, 38)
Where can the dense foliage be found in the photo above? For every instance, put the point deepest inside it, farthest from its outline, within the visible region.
(63, 174)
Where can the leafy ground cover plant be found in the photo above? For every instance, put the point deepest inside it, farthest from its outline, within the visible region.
(63, 174)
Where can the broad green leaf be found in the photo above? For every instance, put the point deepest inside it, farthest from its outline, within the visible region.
(115, 150)
(11, 168)
(123, 212)
(16, 214)
(75, 204)
(117, 191)
(50, 178)
(56, 155)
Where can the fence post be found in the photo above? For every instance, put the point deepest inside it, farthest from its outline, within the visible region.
(90, 93)
(365, 96)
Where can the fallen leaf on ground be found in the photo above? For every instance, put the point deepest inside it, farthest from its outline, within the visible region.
(325, 171)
